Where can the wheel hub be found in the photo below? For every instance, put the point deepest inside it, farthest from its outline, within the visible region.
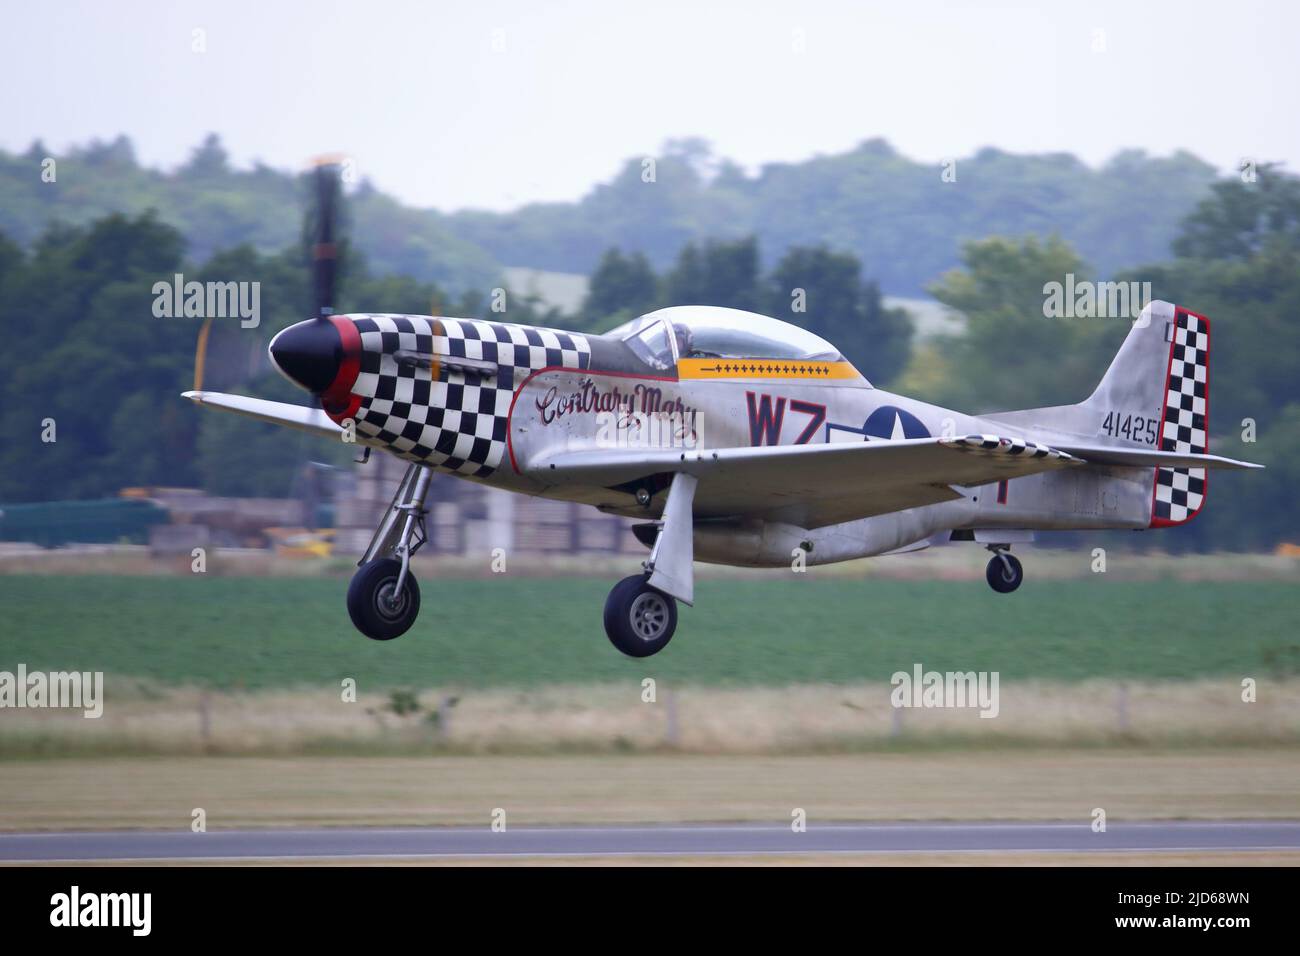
(649, 616)
(388, 602)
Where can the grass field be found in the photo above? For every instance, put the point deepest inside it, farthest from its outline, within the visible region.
(516, 632)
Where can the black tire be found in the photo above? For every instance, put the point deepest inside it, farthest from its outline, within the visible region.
(1002, 579)
(640, 620)
(369, 595)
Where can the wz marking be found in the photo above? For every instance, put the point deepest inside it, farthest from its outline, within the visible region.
(767, 418)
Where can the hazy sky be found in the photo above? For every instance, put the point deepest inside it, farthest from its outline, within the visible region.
(493, 104)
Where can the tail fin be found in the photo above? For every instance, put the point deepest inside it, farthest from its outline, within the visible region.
(1163, 367)
(1138, 376)
(1154, 395)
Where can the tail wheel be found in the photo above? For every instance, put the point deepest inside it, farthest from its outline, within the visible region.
(1004, 573)
(376, 608)
(639, 620)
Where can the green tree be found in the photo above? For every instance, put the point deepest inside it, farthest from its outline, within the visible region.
(86, 352)
(11, 257)
(721, 272)
(623, 286)
(1239, 219)
(890, 211)
(1011, 355)
(217, 206)
(824, 292)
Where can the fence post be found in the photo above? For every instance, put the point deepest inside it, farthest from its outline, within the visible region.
(672, 731)
(205, 719)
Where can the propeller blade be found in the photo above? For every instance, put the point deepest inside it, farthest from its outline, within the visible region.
(324, 250)
(201, 354)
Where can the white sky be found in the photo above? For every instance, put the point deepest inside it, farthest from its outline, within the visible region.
(431, 112)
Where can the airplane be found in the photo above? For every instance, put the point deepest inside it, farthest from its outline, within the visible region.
(736, 438)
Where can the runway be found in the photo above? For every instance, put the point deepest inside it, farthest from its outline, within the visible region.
(667, 841)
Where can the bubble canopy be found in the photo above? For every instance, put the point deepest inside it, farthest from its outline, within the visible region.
(703, 331)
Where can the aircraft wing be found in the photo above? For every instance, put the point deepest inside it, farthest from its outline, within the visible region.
(305, 419)
(815, 485)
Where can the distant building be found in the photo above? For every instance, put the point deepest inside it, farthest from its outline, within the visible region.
(557, 290)
(470, 519)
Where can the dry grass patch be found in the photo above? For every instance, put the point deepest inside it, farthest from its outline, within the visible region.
(143, 719)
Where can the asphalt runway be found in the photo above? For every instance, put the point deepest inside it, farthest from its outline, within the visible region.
(694, 840)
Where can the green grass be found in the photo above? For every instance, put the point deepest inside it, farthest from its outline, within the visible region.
(254, 633)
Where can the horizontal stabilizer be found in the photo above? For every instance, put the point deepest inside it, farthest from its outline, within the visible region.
(1142, 458)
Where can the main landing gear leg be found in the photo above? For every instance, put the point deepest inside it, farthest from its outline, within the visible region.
(384, 597)
(641, 611)
(1004, 572)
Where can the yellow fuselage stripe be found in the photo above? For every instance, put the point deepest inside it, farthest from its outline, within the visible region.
(765, 368)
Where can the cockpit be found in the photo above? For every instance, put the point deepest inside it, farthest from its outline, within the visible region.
(662, 338)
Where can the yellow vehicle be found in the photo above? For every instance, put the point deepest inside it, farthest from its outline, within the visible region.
(301, 542)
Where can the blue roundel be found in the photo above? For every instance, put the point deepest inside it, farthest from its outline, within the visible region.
(888, 421)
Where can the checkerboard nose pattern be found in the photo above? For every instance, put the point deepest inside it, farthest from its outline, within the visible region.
(448, 418)
(1180, 492)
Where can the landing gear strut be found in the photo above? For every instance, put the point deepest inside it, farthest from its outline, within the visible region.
(384, 597)
(641, 611)
(1004, 572)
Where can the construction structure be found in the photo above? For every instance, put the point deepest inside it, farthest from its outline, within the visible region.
(469, 519)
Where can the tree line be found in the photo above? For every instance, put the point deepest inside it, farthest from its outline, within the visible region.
(906, 219)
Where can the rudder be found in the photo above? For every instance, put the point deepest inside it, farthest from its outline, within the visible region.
(1179, 493)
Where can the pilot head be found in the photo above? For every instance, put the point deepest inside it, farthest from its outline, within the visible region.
(685, 341)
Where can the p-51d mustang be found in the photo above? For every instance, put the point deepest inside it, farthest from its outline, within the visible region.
(739, 439)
